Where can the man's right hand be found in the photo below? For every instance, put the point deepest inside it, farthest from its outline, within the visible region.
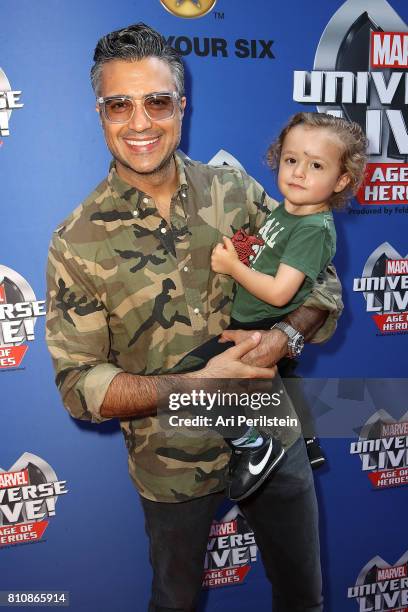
(229, 364)
(130, 395)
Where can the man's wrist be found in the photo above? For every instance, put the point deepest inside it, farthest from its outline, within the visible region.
(273, 346)
(279, 342)
(306, 320)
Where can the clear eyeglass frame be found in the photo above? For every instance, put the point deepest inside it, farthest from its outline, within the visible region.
(152, 96)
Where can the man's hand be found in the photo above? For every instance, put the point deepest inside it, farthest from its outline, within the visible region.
(272, 347)
(133, 396)
(224, 257)
(230, 364)
(274, 343)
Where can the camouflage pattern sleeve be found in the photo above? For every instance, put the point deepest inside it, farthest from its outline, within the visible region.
(326, 295)
(77, 333)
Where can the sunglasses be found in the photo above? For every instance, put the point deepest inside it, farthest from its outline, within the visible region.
(157, 106)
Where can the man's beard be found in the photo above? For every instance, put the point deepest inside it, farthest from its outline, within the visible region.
(161, 168)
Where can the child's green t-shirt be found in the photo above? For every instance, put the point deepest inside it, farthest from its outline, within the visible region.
(307, 243)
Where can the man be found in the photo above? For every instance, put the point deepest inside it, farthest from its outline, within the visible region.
(131, 293)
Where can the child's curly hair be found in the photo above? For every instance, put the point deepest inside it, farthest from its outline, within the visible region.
(353, 159)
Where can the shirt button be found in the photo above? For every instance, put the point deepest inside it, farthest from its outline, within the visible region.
(145, 200)
(163, 230)
(196, 310)
(185, 269)
(135, 213)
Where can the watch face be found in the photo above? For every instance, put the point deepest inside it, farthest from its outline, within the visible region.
(295, 345)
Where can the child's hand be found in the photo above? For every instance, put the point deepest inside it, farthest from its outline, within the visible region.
(223, 257)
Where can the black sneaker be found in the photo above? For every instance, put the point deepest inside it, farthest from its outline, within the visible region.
(315, 453)
(250, 467)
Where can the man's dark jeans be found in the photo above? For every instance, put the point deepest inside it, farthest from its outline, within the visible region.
(283, 515)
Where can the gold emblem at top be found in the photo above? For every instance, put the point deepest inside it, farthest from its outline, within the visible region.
(188, 8)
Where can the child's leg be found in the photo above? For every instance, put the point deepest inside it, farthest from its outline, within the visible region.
(251, 464)
(315, 453)
(259, 452)
(255, 454)
(250, 439)
(198, 358)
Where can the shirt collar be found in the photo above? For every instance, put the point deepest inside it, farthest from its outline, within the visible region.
(181, 170)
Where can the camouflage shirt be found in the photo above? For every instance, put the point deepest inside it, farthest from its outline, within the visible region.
(128, 292)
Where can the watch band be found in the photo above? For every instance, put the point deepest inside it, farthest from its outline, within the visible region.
(295, 339)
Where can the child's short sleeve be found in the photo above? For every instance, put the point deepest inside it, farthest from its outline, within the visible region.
(309, 249)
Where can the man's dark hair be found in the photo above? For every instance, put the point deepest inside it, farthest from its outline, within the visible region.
(132, 44)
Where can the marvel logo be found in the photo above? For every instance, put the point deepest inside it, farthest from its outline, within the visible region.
(390, 573)
(14, 479)
(397, 266)
(389, 49)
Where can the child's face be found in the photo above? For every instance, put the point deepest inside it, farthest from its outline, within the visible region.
(309, 168)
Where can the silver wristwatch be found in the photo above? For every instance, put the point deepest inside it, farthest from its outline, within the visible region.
(296, 341)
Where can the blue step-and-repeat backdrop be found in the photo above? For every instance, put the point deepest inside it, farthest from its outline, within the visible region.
(70, 519)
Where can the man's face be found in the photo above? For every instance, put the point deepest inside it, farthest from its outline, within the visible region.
(141, 146)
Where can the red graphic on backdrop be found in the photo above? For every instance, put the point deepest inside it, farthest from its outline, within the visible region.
(383, 450)
(231, 550)
(226, 576)
(397, 266)
(12, 357)
(24, 532)
(388, 183)
(389, 478)
(28, 496)
(351, 78)
(391, 323)
(19, 310)
(389, 49)
(381, 586)
(13, 479)
(384, 285)
(384, 184)
(390, 573)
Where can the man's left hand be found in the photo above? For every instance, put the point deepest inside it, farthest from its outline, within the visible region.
(274, 343)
